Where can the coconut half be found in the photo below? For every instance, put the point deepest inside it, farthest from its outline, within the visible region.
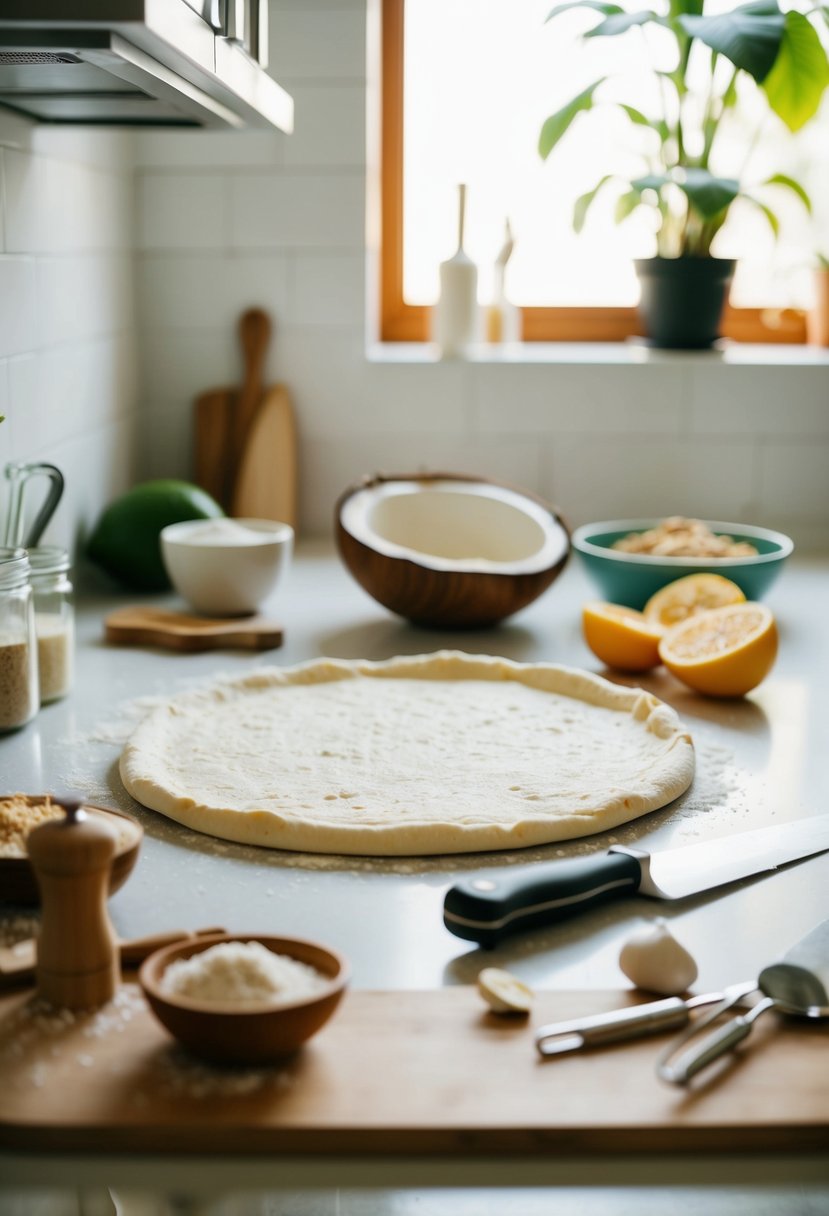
(449, 550)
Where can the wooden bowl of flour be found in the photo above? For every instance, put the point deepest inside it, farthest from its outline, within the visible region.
(228, 1031)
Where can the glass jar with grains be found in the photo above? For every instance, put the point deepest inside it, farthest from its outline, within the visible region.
(19, 697)
(54, 620)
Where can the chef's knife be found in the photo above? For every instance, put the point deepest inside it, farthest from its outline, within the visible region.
(488, 907)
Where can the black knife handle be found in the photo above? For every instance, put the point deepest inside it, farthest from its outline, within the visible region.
(489, 907)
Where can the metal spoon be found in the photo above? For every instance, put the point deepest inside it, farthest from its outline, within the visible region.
(798, 985)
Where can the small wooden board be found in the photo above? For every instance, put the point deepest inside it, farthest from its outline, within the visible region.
(266, 477)
(401, 1073)
(138, 626)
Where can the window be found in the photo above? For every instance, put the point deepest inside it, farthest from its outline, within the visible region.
(466, 87)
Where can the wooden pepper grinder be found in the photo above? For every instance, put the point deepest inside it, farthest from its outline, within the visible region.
(77, 961)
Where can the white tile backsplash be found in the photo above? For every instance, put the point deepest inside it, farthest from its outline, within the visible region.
(311, 44)
(18, 305)
(182, 210)
(207, 290)
(625, 477)
(54, 206)
(328, 289)
(558, 399)
(82, 297)
(760, 400)
(68, 382)
(329, 127)
(794, 478)
(297, 210)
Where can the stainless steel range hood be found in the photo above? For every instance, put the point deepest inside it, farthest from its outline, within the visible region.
(140, 63)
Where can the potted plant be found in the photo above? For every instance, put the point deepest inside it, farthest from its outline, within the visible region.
(684, 182)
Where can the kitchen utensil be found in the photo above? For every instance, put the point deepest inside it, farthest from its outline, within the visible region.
(654, 1017)
(139, 626)
(488, 907)
(77, 964)
(239, 1033)
(797, 985)
(19, 476)
(17, 962)
(17, 880)
(222, 416)
(632, 578)
(266, 479)
(218, 577)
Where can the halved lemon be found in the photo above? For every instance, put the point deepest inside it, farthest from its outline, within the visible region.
(689, 596)
(725, 652)
(620, 637)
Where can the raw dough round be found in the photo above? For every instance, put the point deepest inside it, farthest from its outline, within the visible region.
(442, 753)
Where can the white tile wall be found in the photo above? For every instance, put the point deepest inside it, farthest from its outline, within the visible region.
(68, 367)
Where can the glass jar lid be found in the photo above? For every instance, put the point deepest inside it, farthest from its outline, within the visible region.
(14, 569)
(48, 559)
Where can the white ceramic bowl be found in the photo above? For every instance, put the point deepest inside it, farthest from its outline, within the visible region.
(219, 578)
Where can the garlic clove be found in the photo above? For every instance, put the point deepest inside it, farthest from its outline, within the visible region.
(503, 992)
(654, 960)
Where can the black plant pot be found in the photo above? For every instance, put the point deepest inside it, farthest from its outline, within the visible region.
(682, 299)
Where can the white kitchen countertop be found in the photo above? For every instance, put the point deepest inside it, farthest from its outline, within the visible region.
(759, 761)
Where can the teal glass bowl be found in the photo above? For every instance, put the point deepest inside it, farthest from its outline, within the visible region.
(632, 578)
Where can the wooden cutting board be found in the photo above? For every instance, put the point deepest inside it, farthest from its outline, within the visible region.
(401, 1073)
(266, 480)
(183, 632)
(223, 416)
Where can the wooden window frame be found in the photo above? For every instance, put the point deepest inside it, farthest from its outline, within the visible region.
(402, 322)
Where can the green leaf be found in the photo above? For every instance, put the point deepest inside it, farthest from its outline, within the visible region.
(749, 36)
(598, 6)
(625, 204)
(774, 222)
(584, 202)
(709, 196)
(796, 83)
(635, 115)
(651, 181)
(782, 179)
(620, 23)
(557, 124)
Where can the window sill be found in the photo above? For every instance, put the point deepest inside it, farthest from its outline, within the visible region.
(633, 352)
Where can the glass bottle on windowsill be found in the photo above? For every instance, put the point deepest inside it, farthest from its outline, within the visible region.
(503, 319)
(454, 316)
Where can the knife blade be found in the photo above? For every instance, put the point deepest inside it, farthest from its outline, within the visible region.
(488, 907)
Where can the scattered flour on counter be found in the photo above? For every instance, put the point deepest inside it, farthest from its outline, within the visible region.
(37, 1025)
(177, 1074)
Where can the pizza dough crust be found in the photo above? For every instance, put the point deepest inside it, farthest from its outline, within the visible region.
(441, 753)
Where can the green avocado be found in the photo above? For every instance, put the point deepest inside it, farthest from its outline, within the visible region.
(125, 541)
